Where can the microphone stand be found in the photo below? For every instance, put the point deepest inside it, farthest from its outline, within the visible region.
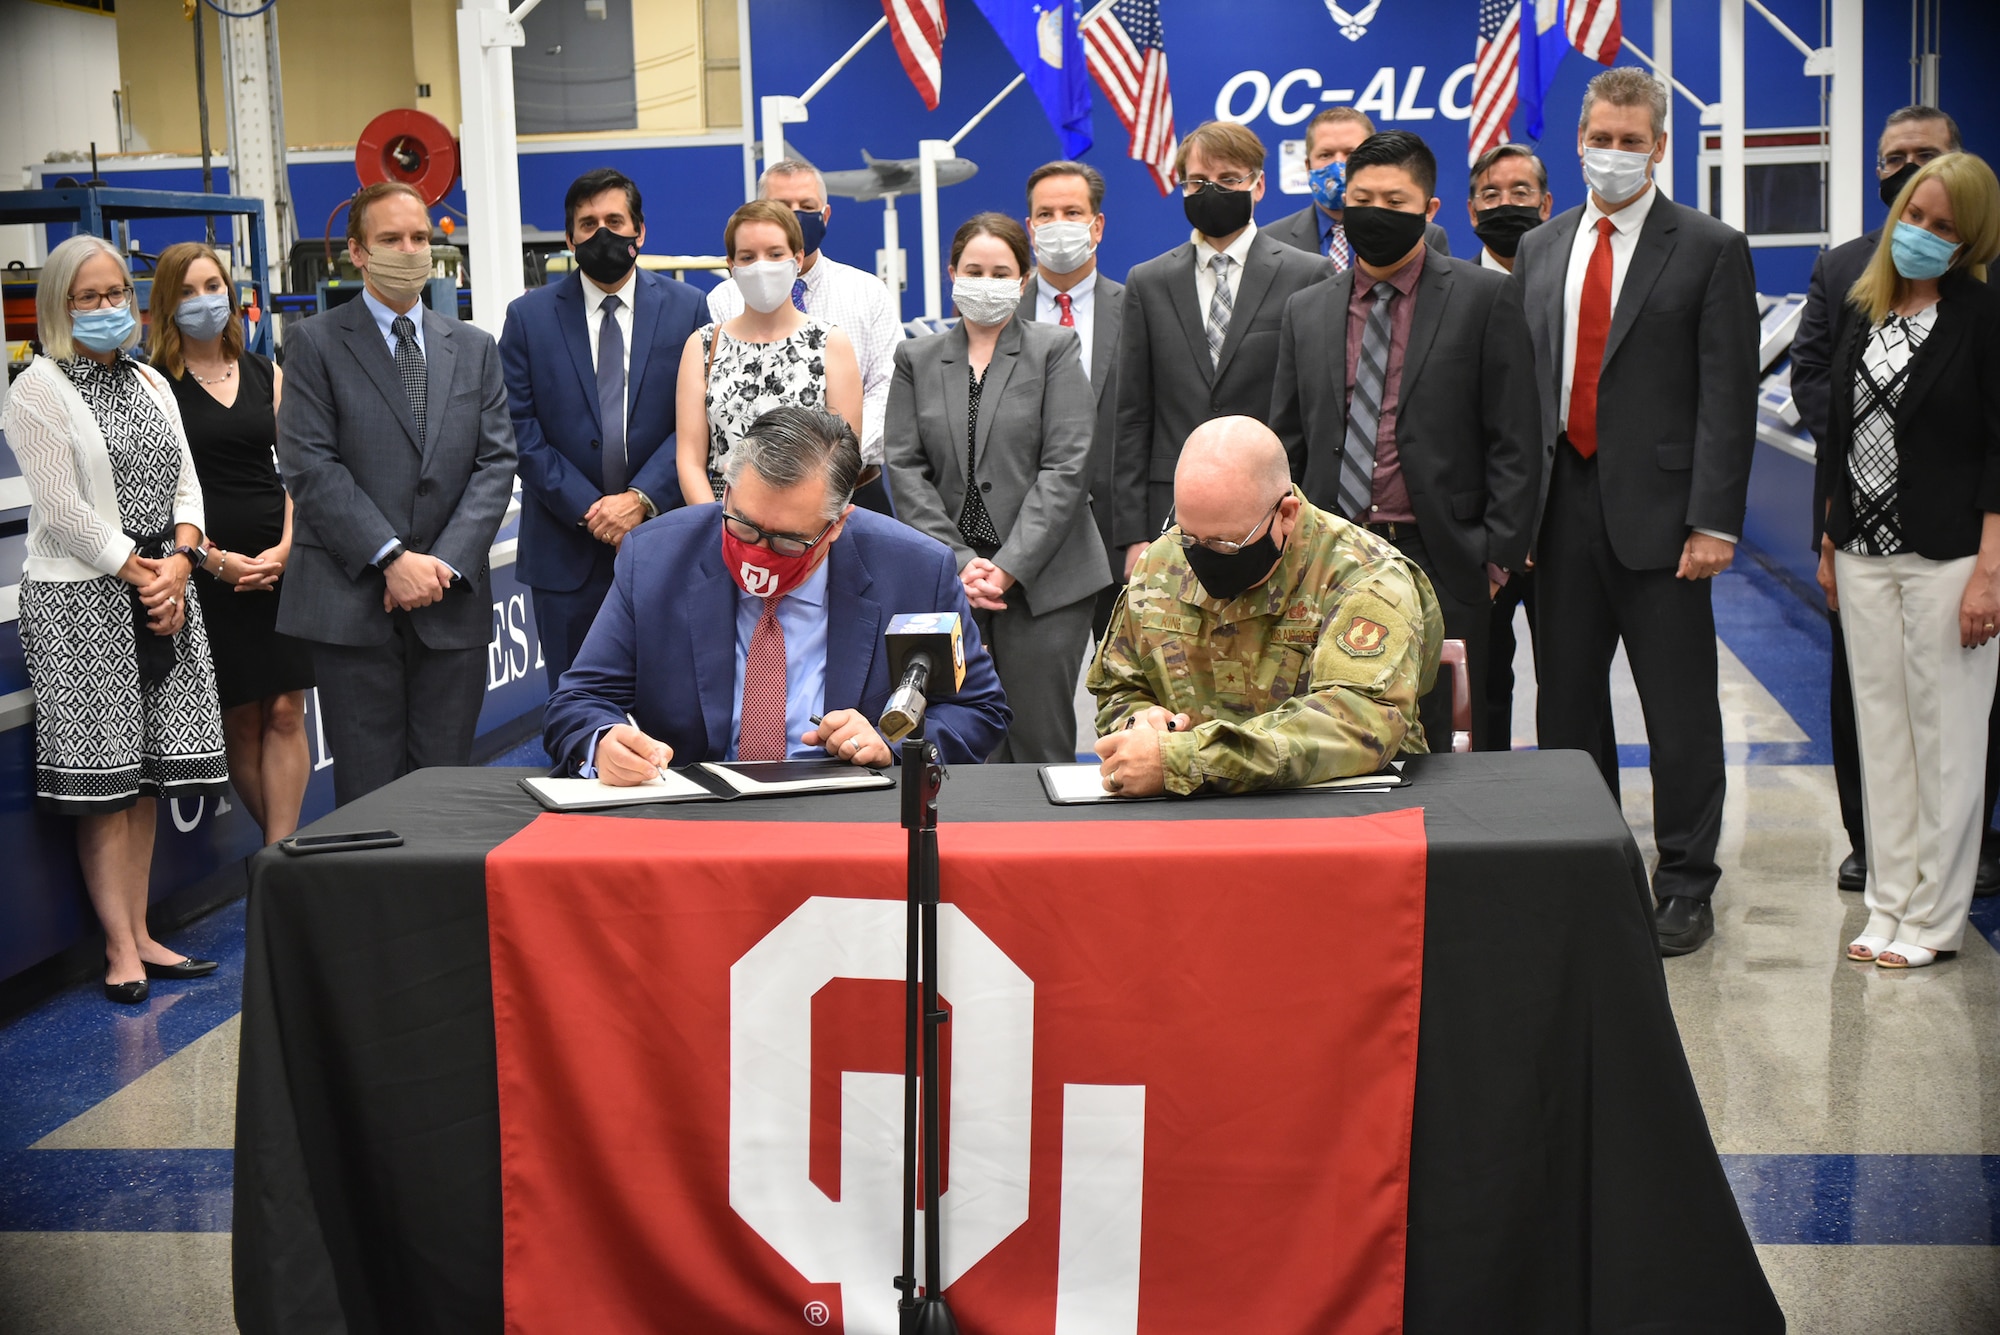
(928, 1314)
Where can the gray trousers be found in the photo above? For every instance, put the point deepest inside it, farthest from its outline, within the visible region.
(397, 706)
(1039, 659)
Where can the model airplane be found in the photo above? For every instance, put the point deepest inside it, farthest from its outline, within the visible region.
(883, 177)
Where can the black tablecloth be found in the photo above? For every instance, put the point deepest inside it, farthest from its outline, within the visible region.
(1562, 1175)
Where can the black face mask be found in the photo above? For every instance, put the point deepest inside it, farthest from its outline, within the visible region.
(1502, 228)
(1223, 577)
(606, 257)
(1382, 236)
(1892, 185)
(1213, 211)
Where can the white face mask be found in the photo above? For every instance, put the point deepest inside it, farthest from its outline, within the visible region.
(1064, 247)
(986, 300)
(1614, 174)
(767, 284)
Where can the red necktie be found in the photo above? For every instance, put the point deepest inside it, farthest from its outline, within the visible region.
(763, 734)
(1068, 320)
(1593, 327)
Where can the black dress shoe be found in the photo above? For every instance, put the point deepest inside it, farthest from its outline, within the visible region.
(1987, 881)
(128, 994)
(187, 968)
(1853, 873)
(1684, 923)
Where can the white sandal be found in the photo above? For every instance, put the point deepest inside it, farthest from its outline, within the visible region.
(1864, 949)
(1914, 957)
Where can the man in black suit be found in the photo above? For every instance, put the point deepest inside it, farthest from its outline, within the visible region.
(1643, 314)
(1199, 338)
(1066, 221)
(1910, 138)
(1320, 227)
(1405, 396)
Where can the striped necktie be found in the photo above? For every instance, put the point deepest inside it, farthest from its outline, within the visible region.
(1219, 307)
(1364, 409)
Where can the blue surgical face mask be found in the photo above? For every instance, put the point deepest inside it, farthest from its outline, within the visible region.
(203, 316)
(104, 329)
(812, 226)
(1329, 185)
(1919, 253)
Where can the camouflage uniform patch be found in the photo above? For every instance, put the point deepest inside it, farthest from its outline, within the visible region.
(1312, 675)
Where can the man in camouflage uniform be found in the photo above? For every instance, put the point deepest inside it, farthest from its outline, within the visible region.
(1294, 658)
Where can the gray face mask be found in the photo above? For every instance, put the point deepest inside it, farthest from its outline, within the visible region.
(1614, 174)
(1064, 247)
(986, 301)
(203, 316)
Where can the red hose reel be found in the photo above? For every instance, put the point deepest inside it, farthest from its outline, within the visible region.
(410, 146)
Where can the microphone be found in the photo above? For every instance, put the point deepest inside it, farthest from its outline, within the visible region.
(921, 645)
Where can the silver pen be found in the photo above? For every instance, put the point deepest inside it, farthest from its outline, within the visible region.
(636, 728)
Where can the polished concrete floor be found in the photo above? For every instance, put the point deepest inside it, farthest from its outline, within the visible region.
(1857, 1110)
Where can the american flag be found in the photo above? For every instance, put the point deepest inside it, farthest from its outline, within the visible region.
(917, 29)
(1595, 28)
(1127, 55)
(1495, 71)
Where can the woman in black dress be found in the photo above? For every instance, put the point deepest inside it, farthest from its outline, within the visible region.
(229, 401)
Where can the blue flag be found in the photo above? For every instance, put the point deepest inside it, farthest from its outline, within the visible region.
(1043, 39)
(1544, 43)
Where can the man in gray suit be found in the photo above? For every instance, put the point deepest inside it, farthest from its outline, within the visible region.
(397, 448)
(1320, 226)
(1199, 338)
(1643, 314)
(1066, 221)
(1405, 396)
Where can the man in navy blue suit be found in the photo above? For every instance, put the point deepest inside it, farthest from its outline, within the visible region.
(751, 629)
(590, 364)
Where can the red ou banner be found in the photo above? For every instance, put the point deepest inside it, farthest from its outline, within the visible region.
(1177, 1084)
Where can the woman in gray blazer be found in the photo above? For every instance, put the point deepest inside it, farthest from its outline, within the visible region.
(988, 442)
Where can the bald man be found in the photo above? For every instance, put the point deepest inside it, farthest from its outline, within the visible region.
(1262, 642)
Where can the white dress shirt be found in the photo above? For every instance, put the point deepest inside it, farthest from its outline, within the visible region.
(856, 303)
(1487, 261)
(1204, 277)
(593, 315)
(1625, 225)
(1082, 309)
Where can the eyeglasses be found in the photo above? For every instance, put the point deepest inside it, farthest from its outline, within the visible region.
(1222, 545)
(1895, 162)
(90, 301)
(1194, 185)
(1492, 196)
(784, 544)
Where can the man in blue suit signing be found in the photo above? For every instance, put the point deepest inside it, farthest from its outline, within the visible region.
(751, 629)
(590, 364)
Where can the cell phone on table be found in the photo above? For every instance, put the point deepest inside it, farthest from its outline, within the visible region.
(301, 844)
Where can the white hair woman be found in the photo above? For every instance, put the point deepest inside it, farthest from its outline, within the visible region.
(125, 707)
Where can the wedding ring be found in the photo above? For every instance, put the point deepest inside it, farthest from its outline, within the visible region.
(1113, 786)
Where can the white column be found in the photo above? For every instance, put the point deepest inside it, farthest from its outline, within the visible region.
(256, 140)
(487, 37)
(930, 152)
(1732, 112)
(1663, 65)
(1847, 143)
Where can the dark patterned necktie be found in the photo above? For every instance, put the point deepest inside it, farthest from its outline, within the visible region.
(410, 366)
(1364, 409)
(611, 396)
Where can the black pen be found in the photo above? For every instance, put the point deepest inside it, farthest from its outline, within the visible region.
(816, 719)
(1173, 725)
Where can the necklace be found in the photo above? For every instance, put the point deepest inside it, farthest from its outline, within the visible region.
(227, 371)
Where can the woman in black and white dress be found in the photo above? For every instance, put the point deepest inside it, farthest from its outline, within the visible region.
(125, 707)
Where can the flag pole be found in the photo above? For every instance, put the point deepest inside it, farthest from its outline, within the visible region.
(777, 111)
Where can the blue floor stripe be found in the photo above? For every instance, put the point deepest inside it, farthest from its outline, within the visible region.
(1940, 1200)
(116, 1191)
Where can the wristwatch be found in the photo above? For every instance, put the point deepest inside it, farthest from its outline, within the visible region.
(389, 557)
(652, 510)
(194, 556)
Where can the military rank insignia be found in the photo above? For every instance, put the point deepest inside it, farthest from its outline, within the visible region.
(1363, 638)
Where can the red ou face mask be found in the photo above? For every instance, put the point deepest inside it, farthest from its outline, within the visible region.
(761, 572)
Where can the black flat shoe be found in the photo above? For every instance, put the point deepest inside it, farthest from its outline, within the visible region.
(1684, 924)
(1987, 880)
(1853, 873)
(128, 994)
(187, 968)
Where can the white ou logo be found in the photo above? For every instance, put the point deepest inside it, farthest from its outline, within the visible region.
(1353, 26)
(757, 581)
(856, 1242)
